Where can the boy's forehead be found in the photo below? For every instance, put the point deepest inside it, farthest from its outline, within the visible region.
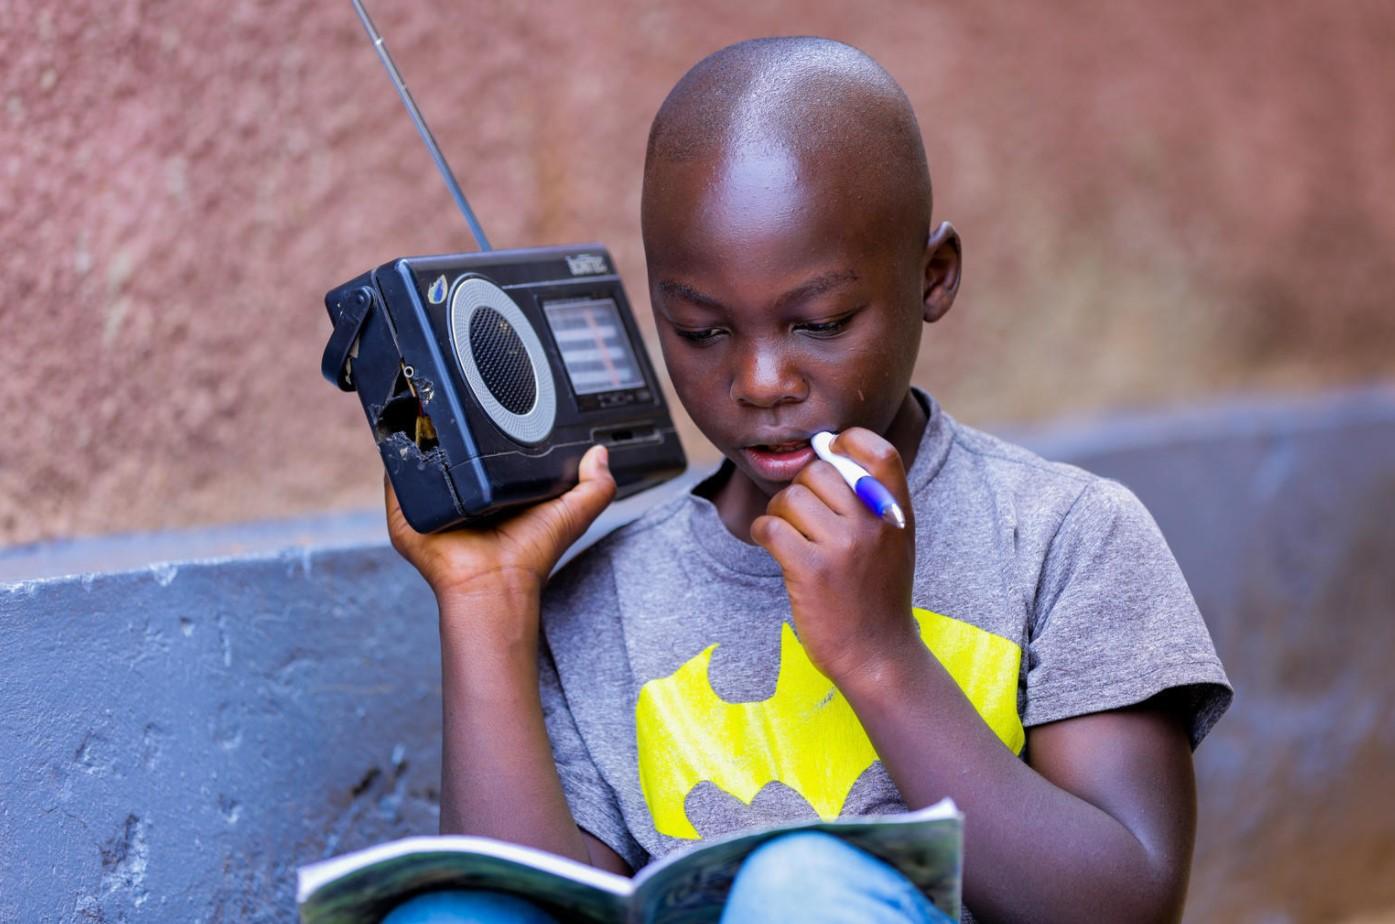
(751, 197)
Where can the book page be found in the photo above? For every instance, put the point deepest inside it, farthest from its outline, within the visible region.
(362, 887)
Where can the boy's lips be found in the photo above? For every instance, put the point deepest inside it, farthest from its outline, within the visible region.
(778, 461)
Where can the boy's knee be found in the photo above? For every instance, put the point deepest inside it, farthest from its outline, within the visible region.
(815, 876)
(792, 860)
(458, 907)
(797, 867)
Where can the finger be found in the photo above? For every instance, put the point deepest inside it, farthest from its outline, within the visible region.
(784, 543)
(800, 507)
(879, 457)
(823, 479)
(390, 497)
(398, 527)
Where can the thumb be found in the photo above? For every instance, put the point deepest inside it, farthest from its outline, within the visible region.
(579, 507)
(595, 464)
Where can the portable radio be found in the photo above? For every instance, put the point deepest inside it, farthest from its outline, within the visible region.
(486, 376)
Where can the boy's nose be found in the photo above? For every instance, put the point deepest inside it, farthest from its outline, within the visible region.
(766, 377)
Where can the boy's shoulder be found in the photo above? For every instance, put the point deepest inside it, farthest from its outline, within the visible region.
(662, 523)
(591, 572)
(977, 468)
(1012, 463)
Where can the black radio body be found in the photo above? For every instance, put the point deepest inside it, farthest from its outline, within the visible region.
(486, 376)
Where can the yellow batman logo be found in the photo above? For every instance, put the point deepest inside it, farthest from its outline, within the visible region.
(805, 735)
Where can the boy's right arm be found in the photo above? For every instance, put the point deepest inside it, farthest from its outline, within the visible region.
(498, 778)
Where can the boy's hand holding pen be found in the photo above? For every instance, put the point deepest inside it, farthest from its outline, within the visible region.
(867, 488)
(843, 536)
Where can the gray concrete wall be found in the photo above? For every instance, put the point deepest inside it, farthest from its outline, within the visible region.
(175, 739)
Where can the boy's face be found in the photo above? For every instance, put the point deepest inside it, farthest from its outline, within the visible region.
(788, 300)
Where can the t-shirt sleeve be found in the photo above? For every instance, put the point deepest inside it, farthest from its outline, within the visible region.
(592, 801)
(1115, 622)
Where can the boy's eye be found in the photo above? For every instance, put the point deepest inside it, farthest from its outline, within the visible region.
(700, 335)
(825, 328)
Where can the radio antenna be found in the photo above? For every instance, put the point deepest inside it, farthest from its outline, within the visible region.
(381, 48)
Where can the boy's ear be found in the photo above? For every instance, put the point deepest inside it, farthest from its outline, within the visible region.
(944, 260)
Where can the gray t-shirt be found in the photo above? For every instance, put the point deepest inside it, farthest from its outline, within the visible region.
(681, 705)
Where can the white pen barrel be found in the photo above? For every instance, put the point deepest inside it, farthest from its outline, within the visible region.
(823, 447)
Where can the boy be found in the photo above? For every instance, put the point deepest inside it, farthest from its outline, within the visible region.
(764, 648)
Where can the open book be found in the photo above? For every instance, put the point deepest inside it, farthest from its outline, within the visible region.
(685, 886)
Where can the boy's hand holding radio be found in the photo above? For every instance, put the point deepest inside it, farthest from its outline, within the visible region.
(514, 556)
(848, 573)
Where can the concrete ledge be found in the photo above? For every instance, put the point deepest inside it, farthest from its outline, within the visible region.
(241, 541)
(177, 738)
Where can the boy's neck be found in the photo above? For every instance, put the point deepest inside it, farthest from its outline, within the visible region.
(739, 501)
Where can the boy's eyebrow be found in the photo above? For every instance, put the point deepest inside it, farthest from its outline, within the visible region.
(689, 294)
(818, 285)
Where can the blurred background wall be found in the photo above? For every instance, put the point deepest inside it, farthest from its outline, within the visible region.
(1160, 203)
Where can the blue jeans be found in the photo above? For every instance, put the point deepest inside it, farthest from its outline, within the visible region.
(810, 878)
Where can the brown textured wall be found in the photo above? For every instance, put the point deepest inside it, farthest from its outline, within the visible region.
(1160, 202)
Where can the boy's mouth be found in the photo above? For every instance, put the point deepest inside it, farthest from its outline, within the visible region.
(778, 461)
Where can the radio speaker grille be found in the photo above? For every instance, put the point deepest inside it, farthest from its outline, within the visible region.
(502, 360)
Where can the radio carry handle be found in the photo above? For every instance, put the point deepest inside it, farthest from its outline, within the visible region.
(348, 322)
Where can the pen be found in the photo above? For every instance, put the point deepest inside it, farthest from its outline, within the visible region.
(872, 492)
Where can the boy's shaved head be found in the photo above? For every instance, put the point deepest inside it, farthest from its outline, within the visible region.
(828, 107)
(786, 221)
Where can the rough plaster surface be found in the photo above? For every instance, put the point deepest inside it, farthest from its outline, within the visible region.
(174, 740)
(1159, 201)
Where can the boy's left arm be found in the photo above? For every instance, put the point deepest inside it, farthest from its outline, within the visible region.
(1098, 825)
